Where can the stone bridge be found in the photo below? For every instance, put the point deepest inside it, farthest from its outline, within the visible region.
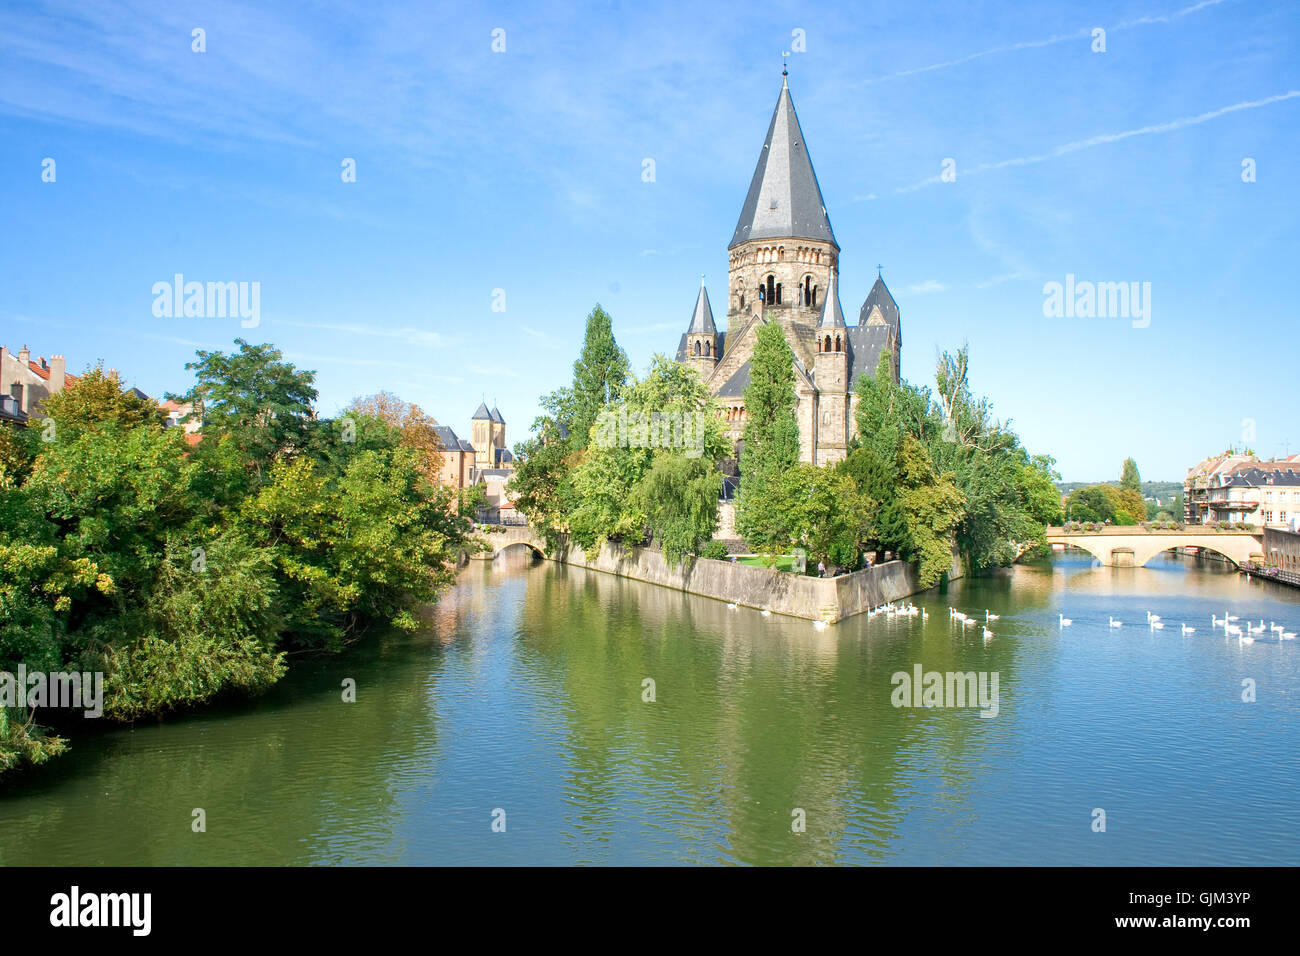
(1133, 546)
(502, 537)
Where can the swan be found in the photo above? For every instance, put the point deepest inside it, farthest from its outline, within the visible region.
(1156, 625)
(969, 622)
(990, 617)
(819, 625)
(765, 612)
(1251, 628)
(1188, 630)
(1245, 640)
(988, 635)
(1231, 629)
(925, 615)
(1217, 622)
(1065, 621)
(1287, 636)
(1115, 623)
(1230, 617)
(731, 607)
(1152, 617)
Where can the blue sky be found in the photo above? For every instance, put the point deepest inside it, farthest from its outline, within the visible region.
(522, 171)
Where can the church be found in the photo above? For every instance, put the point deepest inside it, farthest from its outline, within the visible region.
(783, 264)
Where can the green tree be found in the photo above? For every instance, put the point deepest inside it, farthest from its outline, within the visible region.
(599, 375)
(262, 404)
(1129, 478)
(771, 440)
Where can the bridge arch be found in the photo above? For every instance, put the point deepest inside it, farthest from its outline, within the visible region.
(1122, 548)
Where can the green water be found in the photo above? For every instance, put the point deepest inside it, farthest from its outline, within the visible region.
(524, 693)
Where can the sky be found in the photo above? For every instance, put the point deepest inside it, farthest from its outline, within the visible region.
(500, 194)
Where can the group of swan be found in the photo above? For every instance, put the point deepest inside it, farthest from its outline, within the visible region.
(1234, 630)
(965, 620)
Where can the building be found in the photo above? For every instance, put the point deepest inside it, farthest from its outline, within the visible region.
(26, 383)
(1238, 488)
(489, 431)
(457, 459)
(485, 461)
(1282, 553)
(783, 267)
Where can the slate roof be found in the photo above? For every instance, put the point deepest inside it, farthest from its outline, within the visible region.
(865, 345)
(495, 415)
(832, 316)
(1260, 478)
(448, 437)
(735, 386)
(481, 412)
(784, 200)
(879, 295)
(702, 317)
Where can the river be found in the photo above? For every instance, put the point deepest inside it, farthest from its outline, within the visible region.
(521, 701)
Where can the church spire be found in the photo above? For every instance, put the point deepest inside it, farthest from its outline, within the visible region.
(702, 317)
(832, 316)
(784, 200)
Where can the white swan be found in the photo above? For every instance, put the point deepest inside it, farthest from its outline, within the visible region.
(1115, 623)
(990, 617)
(765, 612)
(731, 607)
(1156, 625)
(1217, 622)
(1188, 630)
(1065, 621)
(1288, 636)
(988, 635)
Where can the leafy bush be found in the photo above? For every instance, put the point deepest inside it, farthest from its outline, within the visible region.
(715, 550)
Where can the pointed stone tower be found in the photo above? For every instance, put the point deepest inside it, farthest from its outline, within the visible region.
(482, 426)
(783, 250)
(702, 339)
(831, 373)
(880, 311)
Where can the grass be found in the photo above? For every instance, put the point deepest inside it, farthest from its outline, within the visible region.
(783, 563)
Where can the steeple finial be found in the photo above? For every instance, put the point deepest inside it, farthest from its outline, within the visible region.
(878, 268)
(784, 71)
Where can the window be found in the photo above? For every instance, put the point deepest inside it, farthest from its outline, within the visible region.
(1268, 517)
(837, 343)
(771, 290)
(778, 293)
(828, 344)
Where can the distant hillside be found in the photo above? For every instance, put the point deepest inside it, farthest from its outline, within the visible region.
(1151, 490)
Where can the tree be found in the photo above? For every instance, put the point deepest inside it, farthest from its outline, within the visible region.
(1129, 478)
(771, 440)
(97, 398)
(411, 420)
(262, 404)
(823, 511)
(599, 376)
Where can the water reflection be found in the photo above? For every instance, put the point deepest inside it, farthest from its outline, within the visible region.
(524, 693)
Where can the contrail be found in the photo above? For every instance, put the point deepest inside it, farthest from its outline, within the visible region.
(1050, 41)
(1104, 138)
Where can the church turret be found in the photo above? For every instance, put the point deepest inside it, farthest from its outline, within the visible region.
(702, 340)
(831, 373)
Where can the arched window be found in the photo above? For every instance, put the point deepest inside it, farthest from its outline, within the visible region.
(814, 297)
(807, 290)
(697, 346)
(778, 293)
(828, 344)
(771, 290)
(762, 295)
(837, 343)
(708, 349)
